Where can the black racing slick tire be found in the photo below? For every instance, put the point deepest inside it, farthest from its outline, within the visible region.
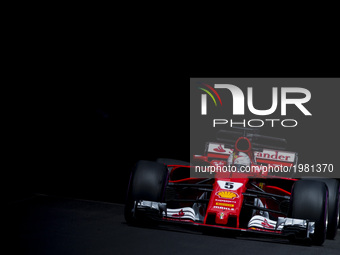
(309, 202)
(333, 207)
(147, 182)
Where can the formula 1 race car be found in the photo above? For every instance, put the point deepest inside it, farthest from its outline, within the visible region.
(256, 203)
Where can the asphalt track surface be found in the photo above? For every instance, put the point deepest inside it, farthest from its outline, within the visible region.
(53, 225)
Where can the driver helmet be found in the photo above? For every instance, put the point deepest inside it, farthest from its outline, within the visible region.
(239, 158)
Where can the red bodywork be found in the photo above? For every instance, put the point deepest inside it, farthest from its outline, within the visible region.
(226, 200)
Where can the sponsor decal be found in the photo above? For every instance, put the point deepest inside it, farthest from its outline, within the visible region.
(265, 224)
(275, 155)
(179, 214)
(225, 201)
(259, 221)
(219, 149)
(225, 204)
(221, 215)
(182, 213)
(261, 185)
(223, 208)
(218, 163)
(227, 194)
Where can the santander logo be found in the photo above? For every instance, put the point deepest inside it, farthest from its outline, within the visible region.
(219, 149)
(265, 224)
(180, 214)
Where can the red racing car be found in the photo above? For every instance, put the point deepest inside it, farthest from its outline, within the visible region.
(242, 196)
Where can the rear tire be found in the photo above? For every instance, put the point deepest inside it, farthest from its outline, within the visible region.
(147, 182)
(309, 202)
(169, 161)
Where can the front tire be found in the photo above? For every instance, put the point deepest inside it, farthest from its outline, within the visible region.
(309, 202)
(333, 207)
(147, 182)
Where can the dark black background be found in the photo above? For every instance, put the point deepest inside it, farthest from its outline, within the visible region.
(78, 123)
(79, 134)
(85, 98)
